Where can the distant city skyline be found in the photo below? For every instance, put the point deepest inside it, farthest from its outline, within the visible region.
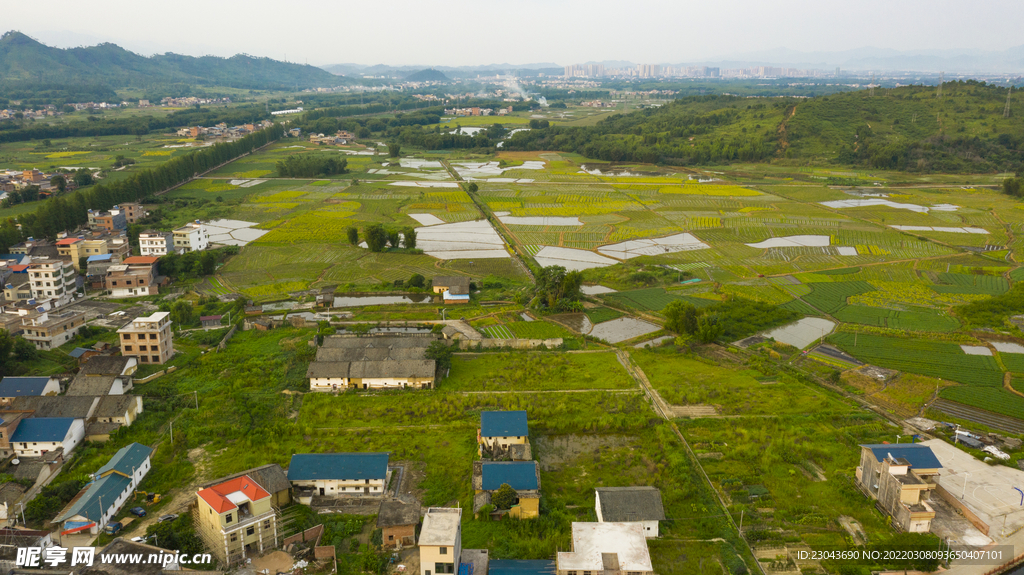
(562, 32)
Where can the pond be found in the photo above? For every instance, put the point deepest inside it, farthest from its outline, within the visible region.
(803, 332)
(574, 321)
(354, 300)
(622, 329)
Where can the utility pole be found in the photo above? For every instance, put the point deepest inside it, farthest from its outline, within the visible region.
(942, 80)
(196, 395)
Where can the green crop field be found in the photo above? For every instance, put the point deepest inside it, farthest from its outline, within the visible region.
(937, 359)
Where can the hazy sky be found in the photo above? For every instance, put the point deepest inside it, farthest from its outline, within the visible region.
(465, 32)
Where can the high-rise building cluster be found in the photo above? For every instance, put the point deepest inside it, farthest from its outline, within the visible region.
(584, 71)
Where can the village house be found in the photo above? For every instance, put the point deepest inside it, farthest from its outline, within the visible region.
(191, 237)
(504, 435)
(440, 541)
(522, 476)
(36, 436)
(334, 474)
(148, 338)
(113, 485)
(48, 330)
(53, 279)
(606, 549)
(17, 290)
(9, 421)
(154, 243)
(397, 522)
(453, 289)
(14, 387)
(133, 211)
(373, 362)
(271, 477)
(129, 281)
(235, 519)
(630, 504)
(111, 221)
(901, 478)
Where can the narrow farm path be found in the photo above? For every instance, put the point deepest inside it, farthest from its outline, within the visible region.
(658, 403)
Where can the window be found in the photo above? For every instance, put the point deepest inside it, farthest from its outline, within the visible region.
(228, 518)
(250, 531)
(266, 524)
(234, 537)
(142, 348)
(127, 348)
(444, 551)
(152, 336)
(391, 537)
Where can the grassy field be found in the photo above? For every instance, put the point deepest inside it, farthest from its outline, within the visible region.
(529, 371)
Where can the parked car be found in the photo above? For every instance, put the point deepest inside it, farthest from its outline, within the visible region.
(137, 511)
(138, 539)
(170, 517)
(113, 527)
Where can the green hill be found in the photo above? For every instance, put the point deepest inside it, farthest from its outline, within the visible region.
(26, 61)
(907, 128)
(428, 75)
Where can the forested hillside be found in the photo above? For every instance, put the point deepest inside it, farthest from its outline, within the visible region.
(25, 62)
(908, 128)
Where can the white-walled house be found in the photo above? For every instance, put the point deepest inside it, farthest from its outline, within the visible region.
(11, 387)
(333, 474)
(639, 504)
(113, 485)
(38, 435)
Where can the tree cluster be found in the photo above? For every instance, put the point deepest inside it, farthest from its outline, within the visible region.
(378, 238)
(558, 289)
(683, 318)
(311, 166)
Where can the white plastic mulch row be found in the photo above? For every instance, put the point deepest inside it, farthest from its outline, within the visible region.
(427, 219)
(426, 184)
(462, 240)
(976, 350)
(1007, 347)
(802, 333)
(847, 251)
(839, 204)
(621, 329)
(233, 232)
(571, 259)
(653, 246)
(538, 220)
(595, 290)
(794, 242)
(935, 229)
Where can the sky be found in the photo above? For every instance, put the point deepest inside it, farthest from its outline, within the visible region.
(479, 32)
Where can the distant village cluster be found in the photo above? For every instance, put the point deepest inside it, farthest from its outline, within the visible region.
(222, 130)
(477, 111)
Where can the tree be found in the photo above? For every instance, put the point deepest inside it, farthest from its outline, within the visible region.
(83, 177)
(59, 182)
(676, 313)
(505, 497)
(416, 280)
(472, 187)
(410, 238)
(440, 352)
(6, 345)
(376, 237)
(24, 350)
(1012, 187)
(353, 235)
(394, 239)
(394, 149)
(708, 328)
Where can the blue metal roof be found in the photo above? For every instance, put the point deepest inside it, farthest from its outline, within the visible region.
(22, 386)
(99, 258)
(311, 466)
(520, 567)
(127, 459)
(503, 424)
(520, 475)
(919, 456)
(78, 352)
(38, 429)
(88, 505)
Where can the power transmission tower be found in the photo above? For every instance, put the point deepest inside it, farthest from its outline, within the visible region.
(942, 79)
(1006, 110)
(871, 87)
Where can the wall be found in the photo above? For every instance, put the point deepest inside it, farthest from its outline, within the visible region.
(955, 502)
(404, 534)
(509, 343)
(311, 534)
(227, 337)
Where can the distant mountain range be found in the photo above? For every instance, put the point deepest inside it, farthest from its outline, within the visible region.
(449, 71)
(1009, 61)
(24, 60)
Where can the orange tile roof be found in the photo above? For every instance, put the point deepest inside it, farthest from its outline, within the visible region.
(144, 260)
(216, 496)
(68, 241)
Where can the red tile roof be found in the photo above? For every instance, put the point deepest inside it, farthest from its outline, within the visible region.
(68, 241)
(216, 496)
(141, 260)
(19, 268)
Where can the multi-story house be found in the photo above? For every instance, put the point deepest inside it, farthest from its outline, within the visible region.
(48, 330)
(236, 519)
(191, 237)
(53, 279)
(154, 243)
(148, 338)
(500, 433)
(606, 549)
(440, 541)
(133, 211)
(37, 436)
(901, 478)
(130, 281)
